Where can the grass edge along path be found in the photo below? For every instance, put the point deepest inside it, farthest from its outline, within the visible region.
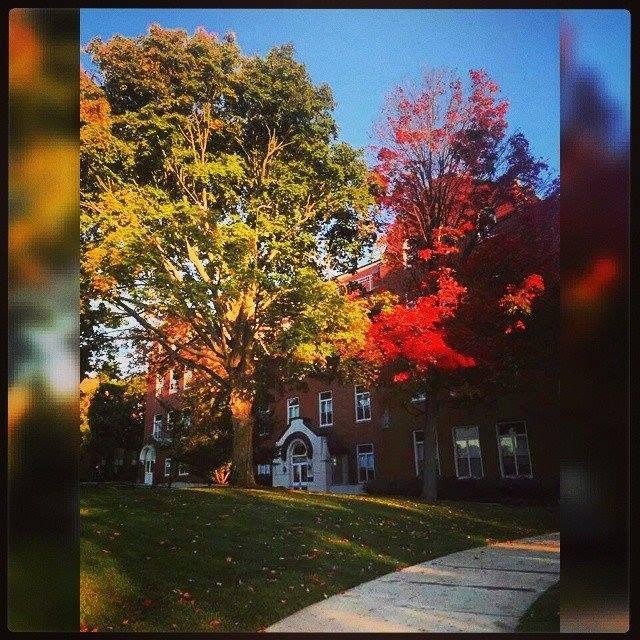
(543, 616)
(225, 559)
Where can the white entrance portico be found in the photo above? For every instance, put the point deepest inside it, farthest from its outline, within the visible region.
(148, 459)
(304, 460)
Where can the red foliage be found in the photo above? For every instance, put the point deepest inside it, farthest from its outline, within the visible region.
(448, 177)
(444, 162)
(415, 335)
(518, 300)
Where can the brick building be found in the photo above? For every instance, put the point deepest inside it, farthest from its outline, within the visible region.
(333, 437)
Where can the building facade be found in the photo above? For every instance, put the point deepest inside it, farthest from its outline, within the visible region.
(329, 437)
(163, 403)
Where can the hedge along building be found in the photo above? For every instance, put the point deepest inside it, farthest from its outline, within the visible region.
(327, 436)
(338, 438)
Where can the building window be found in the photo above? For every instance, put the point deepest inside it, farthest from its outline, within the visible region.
(366, 283)
(293, 408)
(182, 470)
(513, 448)
(186, 379)
(264, 469)
(157, 425)
(366, 463)
(363, 404)
(167, 467)
(173, 385)
(326, 409)
(467, 454)
(418, 451)
(159, 384)
(265, 422)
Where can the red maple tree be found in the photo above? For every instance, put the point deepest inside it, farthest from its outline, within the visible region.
(447, 175)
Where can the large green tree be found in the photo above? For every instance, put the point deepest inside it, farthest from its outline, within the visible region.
(216, 199)
(113, 413)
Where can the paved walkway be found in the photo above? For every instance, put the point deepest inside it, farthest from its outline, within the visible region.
(486, 589)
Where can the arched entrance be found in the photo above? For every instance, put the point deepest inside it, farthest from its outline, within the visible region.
(148, 459)
(301, 468)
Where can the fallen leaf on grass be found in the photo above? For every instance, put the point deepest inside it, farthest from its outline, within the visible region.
(84, 627)
(214, 623)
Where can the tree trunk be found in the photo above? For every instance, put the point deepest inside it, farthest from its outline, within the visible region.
(430, 465)
(241, 407)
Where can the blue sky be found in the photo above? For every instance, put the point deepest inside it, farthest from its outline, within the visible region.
(364, 53)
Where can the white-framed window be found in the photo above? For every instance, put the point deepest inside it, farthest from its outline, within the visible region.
(363, 404)
(513, 449)
(366, 462)
(186, 378)
(159, 384)
(264, 469)
(293, 408)
(173, 385)
(467, 453)
(157, 424)
(167, 467)
(265, 421)
(182, 470)
(172, 417)
(326, 408)
(366, 282)
(418, 451)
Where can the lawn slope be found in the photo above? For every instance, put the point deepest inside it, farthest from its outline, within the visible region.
(227, 559)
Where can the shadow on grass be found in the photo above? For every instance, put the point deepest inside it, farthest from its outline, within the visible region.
(245, 559)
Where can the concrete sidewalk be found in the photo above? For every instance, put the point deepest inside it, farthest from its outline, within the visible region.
(486, 589)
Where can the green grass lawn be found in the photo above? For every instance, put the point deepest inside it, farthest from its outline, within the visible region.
(227, 559)
(544, 614)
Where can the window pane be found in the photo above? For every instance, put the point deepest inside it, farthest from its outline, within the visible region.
(362, 474)
(461, 448)
(463, 468)
(476, 467)
(524, 467)
(365, 448)
(522, 446)
(506, 446)
(419, 435)
(508, 465)
(474, 448)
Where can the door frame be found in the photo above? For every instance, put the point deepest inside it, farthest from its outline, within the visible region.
(299, 465)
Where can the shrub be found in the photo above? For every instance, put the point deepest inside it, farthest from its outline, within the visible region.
(507, 491)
